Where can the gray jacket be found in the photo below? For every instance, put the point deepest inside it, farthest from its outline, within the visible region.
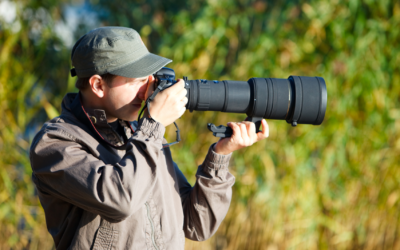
(101, 193)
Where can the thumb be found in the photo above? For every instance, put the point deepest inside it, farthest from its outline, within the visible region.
(151, 85)
(265, 131)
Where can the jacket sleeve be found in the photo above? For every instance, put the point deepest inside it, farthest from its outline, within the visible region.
(206, 204)
(65, 168)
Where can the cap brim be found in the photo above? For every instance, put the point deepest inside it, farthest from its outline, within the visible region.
(145, 66)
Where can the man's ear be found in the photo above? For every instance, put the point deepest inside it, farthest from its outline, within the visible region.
(97, 85)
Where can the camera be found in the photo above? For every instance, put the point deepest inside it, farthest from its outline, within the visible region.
(298, 99)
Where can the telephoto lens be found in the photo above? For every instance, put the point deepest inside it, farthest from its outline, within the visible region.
(298, 99)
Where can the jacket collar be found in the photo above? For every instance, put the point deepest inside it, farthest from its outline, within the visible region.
(96, 119)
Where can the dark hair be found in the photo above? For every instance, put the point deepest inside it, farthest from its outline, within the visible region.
(83, 83)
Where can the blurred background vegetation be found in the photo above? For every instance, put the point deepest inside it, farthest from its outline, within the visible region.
(334, 186)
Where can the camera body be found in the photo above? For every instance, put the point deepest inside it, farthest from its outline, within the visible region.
(165, 75)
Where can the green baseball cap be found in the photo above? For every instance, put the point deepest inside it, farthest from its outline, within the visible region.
(115, 50)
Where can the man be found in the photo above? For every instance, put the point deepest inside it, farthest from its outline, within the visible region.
(107, 182)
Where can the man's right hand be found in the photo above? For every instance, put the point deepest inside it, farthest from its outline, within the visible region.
(169, 104)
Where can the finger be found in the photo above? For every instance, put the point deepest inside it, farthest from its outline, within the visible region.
(183, 110)
(177, 90)
(244, 134)
(265, 131)
(174, 89)
(151, 79)
(150, 86)
(184, 99)
(182, 93)
(251, 130)
(180, 84)
(235, 128)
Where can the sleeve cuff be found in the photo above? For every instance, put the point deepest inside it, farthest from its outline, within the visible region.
(216, 161)
(151, 128)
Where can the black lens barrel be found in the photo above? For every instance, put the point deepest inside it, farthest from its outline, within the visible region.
(309, 100)
(298, 99)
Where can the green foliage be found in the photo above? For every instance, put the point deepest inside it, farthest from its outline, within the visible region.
(334, 186)
(29, 73)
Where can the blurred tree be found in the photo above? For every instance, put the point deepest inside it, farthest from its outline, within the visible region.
(31, 78)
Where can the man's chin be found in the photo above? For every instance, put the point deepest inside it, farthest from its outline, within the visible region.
(131, 118)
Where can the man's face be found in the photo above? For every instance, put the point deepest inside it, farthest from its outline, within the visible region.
(124, 96)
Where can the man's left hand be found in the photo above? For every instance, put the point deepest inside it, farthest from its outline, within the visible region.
(244, 135)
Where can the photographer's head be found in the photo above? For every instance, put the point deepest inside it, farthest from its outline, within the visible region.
(113, 67)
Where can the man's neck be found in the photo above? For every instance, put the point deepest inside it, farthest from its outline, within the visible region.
(91, 101)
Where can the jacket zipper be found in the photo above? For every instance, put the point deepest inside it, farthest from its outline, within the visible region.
(152, 226)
